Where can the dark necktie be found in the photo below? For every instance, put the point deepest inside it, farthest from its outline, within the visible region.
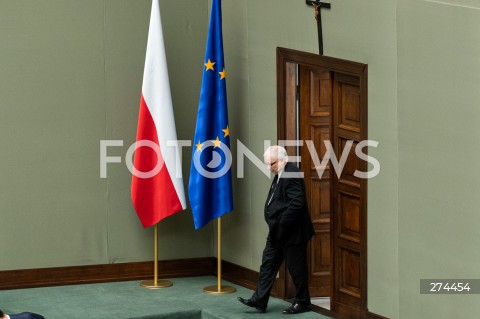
(272, 189)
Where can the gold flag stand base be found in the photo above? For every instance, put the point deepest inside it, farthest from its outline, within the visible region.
(223, 290)
(218, 289)
(155, 283)
(150, 284)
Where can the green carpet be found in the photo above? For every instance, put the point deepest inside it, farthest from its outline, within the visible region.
(184, 300)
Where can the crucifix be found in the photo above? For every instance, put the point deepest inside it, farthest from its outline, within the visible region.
(318, 5)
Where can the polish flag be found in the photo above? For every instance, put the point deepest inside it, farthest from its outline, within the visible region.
(157, 186)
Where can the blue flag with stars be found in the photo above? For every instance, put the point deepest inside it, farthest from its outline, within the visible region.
(210, 184)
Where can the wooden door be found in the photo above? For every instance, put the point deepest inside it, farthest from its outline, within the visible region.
(315, 114)
(330, 106)
(349, 195)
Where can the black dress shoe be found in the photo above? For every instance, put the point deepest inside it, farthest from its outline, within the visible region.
(253, 304)
(295, 308)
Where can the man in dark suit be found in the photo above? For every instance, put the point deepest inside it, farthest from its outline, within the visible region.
(290, 229)
(23, 315)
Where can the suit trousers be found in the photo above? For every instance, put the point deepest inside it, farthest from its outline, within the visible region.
(296, 261)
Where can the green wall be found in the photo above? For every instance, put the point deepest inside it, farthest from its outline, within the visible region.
(438, 116)
(70, 76)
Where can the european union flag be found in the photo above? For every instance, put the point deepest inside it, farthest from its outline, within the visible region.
(210, 184)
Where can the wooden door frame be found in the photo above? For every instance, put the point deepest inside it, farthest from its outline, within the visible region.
(286, 131)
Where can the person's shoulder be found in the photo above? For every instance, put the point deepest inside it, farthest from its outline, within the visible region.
(27, 315)
(290, 167)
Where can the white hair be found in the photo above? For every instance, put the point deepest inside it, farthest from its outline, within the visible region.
(277, 152)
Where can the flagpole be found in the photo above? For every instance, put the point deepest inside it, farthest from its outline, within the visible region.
(218, 289)
(155, 283)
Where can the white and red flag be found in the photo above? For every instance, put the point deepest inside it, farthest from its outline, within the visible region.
(157, 186)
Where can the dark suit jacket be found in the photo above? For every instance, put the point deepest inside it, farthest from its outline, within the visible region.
(287, 213)
(26, 315)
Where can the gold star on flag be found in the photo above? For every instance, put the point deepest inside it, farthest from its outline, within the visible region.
(226, 131)
(209, 65)
(216, 143)
(223, 74)
(199, 146)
